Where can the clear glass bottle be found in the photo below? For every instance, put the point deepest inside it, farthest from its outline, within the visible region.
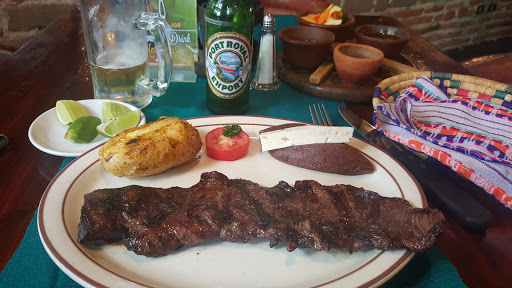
(266, 69)
(228, 55)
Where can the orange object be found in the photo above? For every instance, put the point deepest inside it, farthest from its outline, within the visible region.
(323, 16)
(313, 16)
(308, 19)
(337, 14)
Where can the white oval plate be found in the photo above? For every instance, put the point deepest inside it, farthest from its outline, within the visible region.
(217, 263)
(47, 133)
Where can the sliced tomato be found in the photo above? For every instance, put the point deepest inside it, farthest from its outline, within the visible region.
(225, 148)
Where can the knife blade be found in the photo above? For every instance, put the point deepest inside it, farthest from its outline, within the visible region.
(439, 187)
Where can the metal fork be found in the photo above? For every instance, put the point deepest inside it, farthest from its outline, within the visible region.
(318, 116)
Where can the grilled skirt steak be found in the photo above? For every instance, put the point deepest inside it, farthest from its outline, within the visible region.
(157, 221)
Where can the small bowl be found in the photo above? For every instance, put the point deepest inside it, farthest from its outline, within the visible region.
(342, 32)
(305, 47)
(389, 39)
(356, 63)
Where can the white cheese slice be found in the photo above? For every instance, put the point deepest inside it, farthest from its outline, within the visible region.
(302, 135)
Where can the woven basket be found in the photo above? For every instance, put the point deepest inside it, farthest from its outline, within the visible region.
(452, 84)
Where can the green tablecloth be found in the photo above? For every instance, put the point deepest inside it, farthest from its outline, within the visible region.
(32, 267)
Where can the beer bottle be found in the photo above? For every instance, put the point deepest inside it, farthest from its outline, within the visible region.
(228, 55)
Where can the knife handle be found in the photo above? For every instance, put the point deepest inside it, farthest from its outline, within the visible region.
(445, 193)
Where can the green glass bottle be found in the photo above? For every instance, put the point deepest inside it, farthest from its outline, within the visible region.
(228, 55)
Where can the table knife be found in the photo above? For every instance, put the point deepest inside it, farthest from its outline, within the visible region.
(439, 187)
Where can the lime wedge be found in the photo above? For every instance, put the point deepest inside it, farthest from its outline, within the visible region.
(69, 110)
(83, 129)
(111, 110)
(119, 124)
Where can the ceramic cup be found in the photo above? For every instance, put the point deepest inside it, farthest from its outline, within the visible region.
(305, 47)
(389, 39)
(356, 63)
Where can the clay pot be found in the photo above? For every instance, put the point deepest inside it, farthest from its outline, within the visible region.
(305, 47)
(389, 39)
(356, 63)
(342, 32)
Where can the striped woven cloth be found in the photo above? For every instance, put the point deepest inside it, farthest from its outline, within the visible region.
(471, 136)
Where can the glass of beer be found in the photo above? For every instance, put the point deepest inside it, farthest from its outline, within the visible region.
(116, 36)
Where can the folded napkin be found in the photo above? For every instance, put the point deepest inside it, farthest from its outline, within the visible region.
(471, 136)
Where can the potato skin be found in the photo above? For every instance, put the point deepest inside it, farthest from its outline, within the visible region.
(151, 148)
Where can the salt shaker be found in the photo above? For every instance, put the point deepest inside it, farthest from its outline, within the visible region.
(266, 69)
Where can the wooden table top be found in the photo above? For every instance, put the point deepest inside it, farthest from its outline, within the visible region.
(54, 66)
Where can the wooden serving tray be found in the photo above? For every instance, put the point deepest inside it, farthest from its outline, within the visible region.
(332, 88)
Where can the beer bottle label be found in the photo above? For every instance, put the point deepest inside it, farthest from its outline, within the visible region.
(228, 64)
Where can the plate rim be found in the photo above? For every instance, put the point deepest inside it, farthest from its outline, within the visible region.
(85, 280)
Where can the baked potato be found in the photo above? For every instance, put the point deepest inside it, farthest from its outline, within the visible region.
(151, 148)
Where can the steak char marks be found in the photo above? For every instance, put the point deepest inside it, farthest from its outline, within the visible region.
(156, 221)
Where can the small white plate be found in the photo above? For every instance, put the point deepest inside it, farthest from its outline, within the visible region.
(47, 132)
